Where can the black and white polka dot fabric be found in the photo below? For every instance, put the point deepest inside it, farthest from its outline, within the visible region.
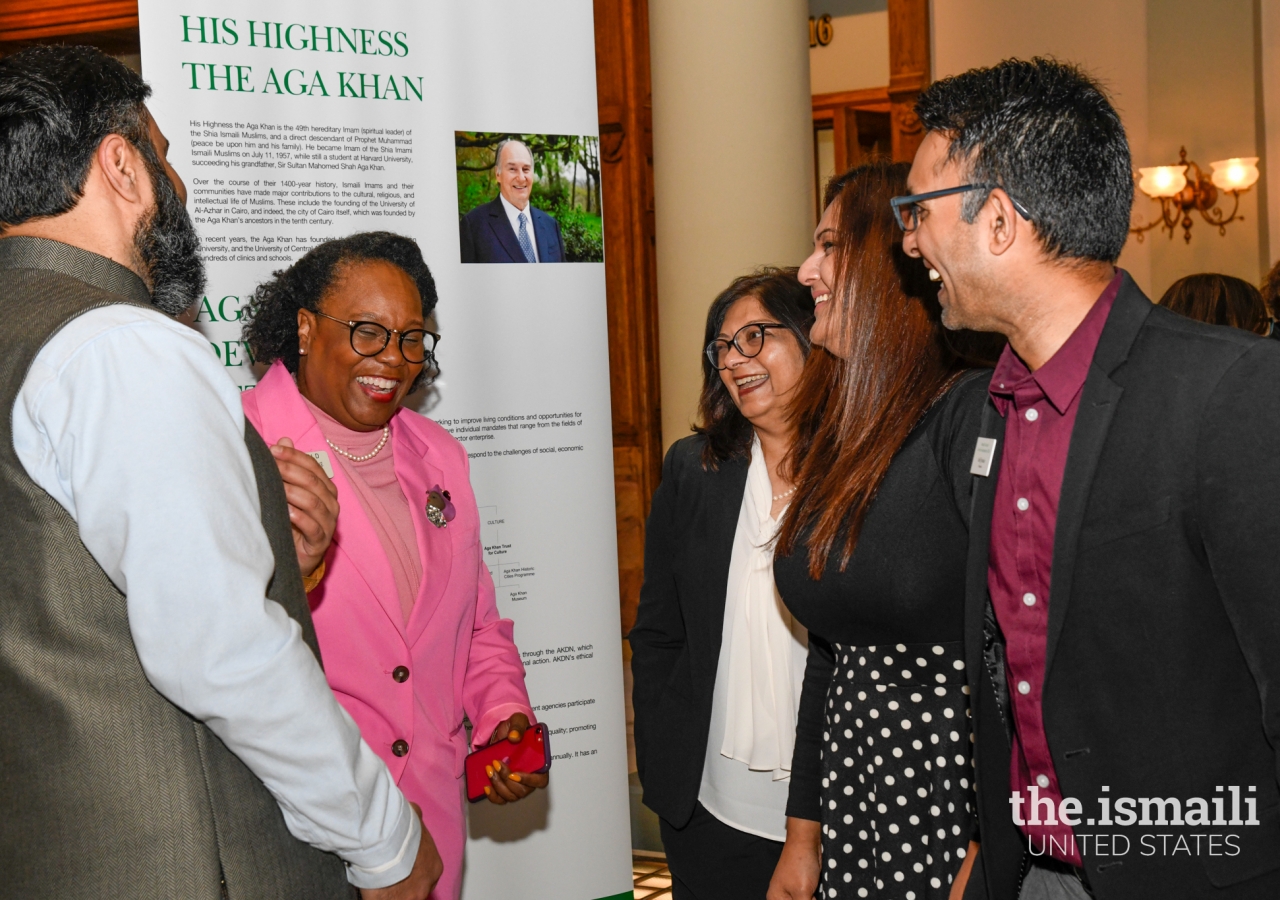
(897, 776)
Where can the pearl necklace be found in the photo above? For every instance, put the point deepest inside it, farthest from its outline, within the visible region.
(777, 497)
(386, 433)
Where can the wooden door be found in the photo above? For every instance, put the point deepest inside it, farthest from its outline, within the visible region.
(851, 127)
(626, 150)
(110, 24)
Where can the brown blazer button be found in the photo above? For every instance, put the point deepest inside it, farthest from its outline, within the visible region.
(400, 748)
(400, 674)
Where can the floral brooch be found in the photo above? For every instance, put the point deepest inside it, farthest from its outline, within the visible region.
(440, 511)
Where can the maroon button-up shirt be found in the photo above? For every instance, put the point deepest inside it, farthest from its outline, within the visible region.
(1039, 409)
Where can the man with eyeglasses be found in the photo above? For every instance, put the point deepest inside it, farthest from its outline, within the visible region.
(1122, 616)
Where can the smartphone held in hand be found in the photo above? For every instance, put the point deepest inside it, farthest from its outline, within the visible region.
(531, 755)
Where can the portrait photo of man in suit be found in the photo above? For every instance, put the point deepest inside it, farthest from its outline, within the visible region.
(508, 229)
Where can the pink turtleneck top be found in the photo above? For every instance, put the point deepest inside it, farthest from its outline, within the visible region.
(374, 481)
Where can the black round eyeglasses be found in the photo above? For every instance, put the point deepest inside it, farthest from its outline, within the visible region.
(417, 345)
(749, 339)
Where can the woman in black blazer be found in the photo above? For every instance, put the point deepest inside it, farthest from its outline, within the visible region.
(714, 730)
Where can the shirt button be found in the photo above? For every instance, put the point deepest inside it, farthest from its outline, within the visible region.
(1024, 687)
(1023, 504)
(400, 748)
(1032, 415)
(1029, 599)
(1042, 780)
(400, 674)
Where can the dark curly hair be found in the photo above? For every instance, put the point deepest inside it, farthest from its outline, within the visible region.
(271, 316)
(780, 292)
(1046, 133)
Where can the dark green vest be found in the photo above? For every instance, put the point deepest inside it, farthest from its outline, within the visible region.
(106, 788)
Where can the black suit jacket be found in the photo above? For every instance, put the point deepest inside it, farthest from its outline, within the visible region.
(675, 643)
(486, 236)
(1163, 651)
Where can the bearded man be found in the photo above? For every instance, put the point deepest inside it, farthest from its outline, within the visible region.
(168, 731)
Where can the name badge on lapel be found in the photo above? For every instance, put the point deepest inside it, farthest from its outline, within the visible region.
(983, 452)
(323, 458)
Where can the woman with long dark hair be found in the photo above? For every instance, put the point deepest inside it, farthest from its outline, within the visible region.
(717, 660)
(871, 559)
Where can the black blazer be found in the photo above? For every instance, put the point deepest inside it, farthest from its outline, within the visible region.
(675, 644)
(1163, 675)
(486, 236)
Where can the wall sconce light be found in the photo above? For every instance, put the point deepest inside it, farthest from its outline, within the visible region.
(1185, 187)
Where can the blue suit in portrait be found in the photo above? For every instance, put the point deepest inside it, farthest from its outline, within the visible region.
(486, 236)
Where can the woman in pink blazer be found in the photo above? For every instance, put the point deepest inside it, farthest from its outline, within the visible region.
(404, 607)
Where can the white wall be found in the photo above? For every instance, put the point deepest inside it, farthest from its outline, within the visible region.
(1267, 44)
(858, 56)
(1180, 72)
(1202, 95)
(733, 165)
(1107, 37)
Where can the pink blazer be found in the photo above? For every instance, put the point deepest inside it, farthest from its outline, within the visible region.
(460, 655)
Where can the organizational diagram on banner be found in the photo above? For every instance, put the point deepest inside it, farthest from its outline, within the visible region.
(512, 580)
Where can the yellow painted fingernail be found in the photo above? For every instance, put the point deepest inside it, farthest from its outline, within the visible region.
(515, 735)
(514, 777)
(487, 790)
(489, 771)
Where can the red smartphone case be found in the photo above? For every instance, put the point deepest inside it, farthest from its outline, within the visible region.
(532, 754)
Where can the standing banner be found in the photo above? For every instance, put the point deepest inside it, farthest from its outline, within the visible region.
(295, 123)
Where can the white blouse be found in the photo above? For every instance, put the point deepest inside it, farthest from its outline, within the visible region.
(747, 771)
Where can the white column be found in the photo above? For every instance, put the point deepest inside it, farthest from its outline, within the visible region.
(733, 165)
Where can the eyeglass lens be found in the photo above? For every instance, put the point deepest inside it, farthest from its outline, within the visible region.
(906, 214)
(749, 340)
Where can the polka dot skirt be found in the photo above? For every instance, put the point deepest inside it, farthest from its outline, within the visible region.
(897, 787)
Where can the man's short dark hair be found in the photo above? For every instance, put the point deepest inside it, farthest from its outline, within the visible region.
(56, 105)
(1045, 132)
